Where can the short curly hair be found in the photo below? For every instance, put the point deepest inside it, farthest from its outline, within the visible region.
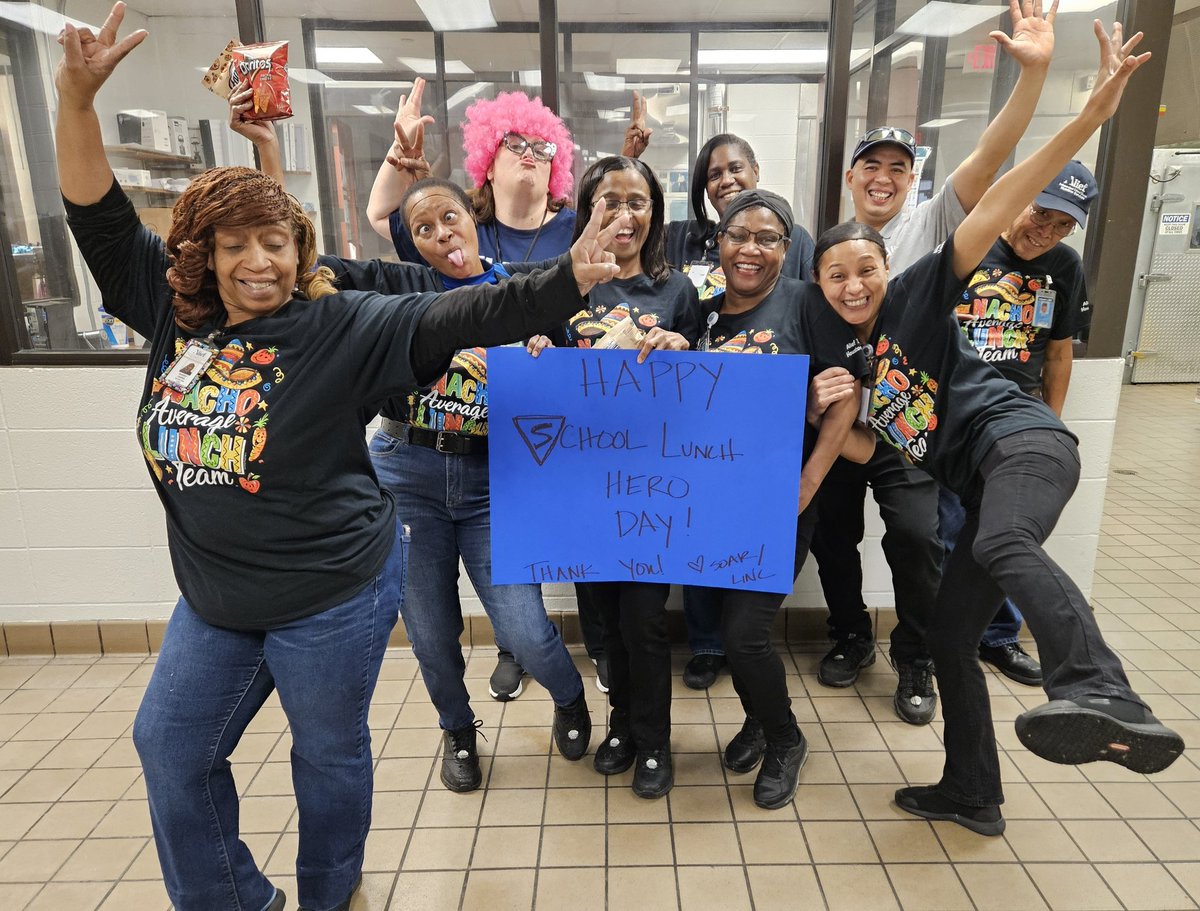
(233, 197)
(486, 122)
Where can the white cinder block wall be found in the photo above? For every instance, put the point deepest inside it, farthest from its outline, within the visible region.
(82, 536)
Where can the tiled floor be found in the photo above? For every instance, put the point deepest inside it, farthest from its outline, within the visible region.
(544, 833)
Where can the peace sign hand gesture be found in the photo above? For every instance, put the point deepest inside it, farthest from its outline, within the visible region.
(90, 59)
(408, 151)
(637, 137)
(590, 261)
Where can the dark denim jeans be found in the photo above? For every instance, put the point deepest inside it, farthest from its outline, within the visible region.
(1005, 627)
(747, 619)
(1023, 484)
(446, 502)
(907, 499)
(639, 654)
(207, 685)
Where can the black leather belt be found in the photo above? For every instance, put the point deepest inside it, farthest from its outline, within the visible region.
(446, 442)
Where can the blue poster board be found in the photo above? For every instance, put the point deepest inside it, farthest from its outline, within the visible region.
(683, 469)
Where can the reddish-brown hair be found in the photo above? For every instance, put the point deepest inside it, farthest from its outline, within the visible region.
(231, 198)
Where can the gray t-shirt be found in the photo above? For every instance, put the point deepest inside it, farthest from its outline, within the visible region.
(914, 232)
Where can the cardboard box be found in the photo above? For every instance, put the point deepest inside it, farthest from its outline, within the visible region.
(157, 219)
(132, 177)
(148, 129)
(177, 129)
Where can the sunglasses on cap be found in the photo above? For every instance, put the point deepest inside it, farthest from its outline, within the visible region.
(896, 135)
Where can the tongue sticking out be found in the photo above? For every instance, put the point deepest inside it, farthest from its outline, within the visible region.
(456, 257)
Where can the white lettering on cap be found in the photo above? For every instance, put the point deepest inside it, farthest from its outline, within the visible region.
(1075, 187)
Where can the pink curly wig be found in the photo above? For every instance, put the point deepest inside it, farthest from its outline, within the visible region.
(487, 121)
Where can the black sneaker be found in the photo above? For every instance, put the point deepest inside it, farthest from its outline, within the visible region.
(572, 729)
(654, 774)
(507, 679)
(341, 906)
(702, 671)
(841, 664)
(617, 752)
(915, 700)
(779, 776)
(278, 902)
(460, 760)
(1013, 662)
(746, 749)
(601, 673)
(1093, 728)
(928, 803)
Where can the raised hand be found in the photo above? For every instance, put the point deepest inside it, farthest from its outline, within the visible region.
(90, 59)
(637, 136)
(1117, 64)
(1032, 41)
(408, 151)
(258, 132)
(590, 261)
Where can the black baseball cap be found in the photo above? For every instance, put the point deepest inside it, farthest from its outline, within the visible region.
(885, 136)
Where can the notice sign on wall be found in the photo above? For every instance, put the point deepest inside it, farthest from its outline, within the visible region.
(1174, 223)
(683, 469)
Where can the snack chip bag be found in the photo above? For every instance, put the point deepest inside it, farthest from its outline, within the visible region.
(216, 80)
(264, 67)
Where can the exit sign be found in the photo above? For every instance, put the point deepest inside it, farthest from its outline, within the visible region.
(980, 59)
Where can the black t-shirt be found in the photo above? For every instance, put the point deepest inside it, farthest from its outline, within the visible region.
(671, 304)
(932, 397)
(683, 248)
(273, 510)
(1018, 305)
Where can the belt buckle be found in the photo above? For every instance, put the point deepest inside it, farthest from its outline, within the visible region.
(442, 435)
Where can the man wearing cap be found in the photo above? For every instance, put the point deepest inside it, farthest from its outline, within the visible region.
(880, 176)
(1020, 310)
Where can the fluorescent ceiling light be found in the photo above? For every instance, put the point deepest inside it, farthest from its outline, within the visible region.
(466, 94)
(677, 110)
(456, 15)
(428, 66)
(43, 20)
(531, 78)
(372, 84)
(628, 65)
(938, 19)
(347, 55)
(372, 109)
(598, 83)
(911, 49)
(763, 57)
(940, 122)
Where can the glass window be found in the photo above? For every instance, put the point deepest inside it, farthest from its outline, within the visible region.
(154, 114)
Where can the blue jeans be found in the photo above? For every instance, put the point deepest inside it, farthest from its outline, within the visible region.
(1005, 628)
(702, 616)
(206, 687)
(446, 502)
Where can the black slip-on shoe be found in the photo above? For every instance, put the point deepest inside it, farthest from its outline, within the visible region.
(1095, 728)
(926, 801)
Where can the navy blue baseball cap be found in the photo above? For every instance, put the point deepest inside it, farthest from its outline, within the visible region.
(1072, 192)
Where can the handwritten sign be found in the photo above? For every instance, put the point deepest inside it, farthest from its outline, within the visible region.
(683, 469)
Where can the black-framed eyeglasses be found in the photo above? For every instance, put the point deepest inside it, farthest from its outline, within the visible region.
(635, 204)
(1044, 218)
(517, 144)
(889, 134)
(768, 240)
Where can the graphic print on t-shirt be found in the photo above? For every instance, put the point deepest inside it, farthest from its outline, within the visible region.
(1004, 312)
(458, 401)
(747, 341)
(216, 432)
(589, 326)
(902, 401)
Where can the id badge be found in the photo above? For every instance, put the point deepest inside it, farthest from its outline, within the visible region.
(698, 272)
(186, 369)
(1043, 308)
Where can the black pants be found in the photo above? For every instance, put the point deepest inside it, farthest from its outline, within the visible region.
(1023, 484)
(907, 499)
(747, 618)
(634, 615)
